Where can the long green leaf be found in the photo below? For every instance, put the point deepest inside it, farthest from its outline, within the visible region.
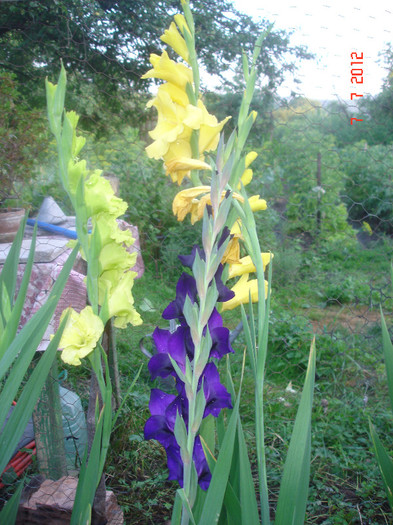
(89, 478)
(385, 464)
(292, 501)
(249, 506)
(218, 484)
(176, 512)
(12, 322)
(388, 354)
(21, 414)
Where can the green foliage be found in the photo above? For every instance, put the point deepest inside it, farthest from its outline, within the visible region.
(22, 139)
(105, 44)
(368, 185)
(305, 179)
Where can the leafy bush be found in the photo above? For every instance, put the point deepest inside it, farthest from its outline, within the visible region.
(369, 185)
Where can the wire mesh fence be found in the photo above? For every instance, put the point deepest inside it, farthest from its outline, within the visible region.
(324, 166)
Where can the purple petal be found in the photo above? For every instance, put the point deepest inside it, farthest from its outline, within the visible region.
(188, 260)
(224, 235)
(221, 343)
(159, 402)
(201, 465)
(185, 286)
(160, 366)
(175, 464)
(178, 406)
(156, 427)
(217, 396)
(161, 338)
(224, 293)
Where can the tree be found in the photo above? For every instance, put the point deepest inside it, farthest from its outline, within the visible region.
(105, 46)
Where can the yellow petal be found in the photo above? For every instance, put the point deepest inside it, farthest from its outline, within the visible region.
(257, 203)
(185, 201)
(80, 336)
(246, 177)
(250, 157)
(166, 69)
(243, 288)
(245, 265)
(173, 38)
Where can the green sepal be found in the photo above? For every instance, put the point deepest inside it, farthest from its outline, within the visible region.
(198, 269)
(191, 314)
(210, 303)
(200, 406)
(181, 436)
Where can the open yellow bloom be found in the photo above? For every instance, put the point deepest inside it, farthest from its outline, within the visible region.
(173, 38)
(100, 197)
(170, 125)
(186, 201)
(209, 128)
(116, 285)
(166, 69)
(176, 94)
(80, 335)
(243, 288)
(245, 265)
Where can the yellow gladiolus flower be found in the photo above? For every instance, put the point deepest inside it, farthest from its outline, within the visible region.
(81, 335)
(100, 197)
(116, 285)
(232, 253)
(209, 128)
(243, 288)
(173, 38)
(169, 125)
(245, 265)
(166, 69)
(186, 202)
(114, 256)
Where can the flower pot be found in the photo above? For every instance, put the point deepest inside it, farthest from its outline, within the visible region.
(10, 220)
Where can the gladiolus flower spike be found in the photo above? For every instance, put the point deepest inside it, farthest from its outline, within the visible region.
(178, 347)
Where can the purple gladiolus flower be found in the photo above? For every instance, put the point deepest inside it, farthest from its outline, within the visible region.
(178, 347)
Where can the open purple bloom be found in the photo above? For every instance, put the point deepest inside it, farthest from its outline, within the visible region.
(185, 286)
(158, 426)
(217, 396)
(220, 336)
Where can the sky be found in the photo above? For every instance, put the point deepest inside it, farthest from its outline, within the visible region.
(332, 30)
